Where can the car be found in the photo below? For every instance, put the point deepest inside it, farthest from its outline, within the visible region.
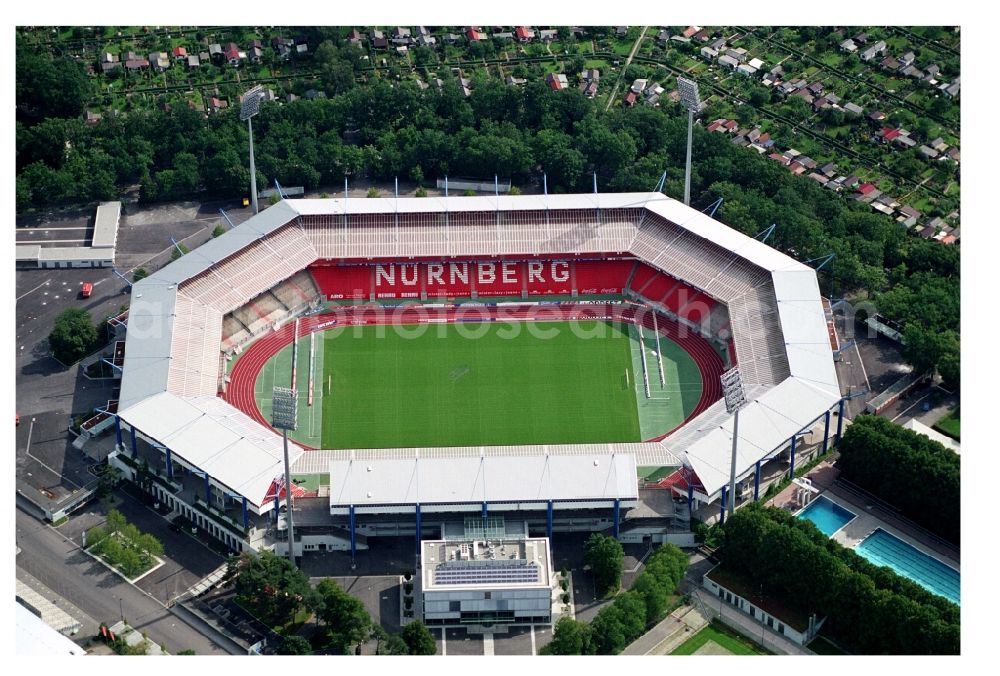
(17, 419)
(86, 289)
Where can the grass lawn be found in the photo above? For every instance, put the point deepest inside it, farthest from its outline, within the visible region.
(734, 643)
(436, 386)
(951, 425)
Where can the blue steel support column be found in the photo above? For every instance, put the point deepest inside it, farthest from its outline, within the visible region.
(614, 531)
(756, 481)
(484, 518)
(840, 419)
(418, 532)
(208, 490)
(135, 447)
(690, 500)
(118, 431)
(791, 458)
(826, 433)
(722, 509)
(170, 465)
(246, 516)
(548, 523)
(353, 539)
(277, 506)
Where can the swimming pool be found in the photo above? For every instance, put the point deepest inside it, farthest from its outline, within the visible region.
(884, 549)
(828, 516)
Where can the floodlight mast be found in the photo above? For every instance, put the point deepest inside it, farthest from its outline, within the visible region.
(284, 408)
(732, 391)
(249, 108)
(690, 99)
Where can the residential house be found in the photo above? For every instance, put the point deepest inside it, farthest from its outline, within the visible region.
(354, 37)
(630, 99)
(816, 88)
(401, 36)
(590, 89)
(638, 85)
(715, 125)
(204, 59)
(928, 152)
(216, 105)
(691, 30)
(709, 54)
(828, 169)
(908, 216)
(777, 157)
(908, 58)
(466, 86)
(738, 53)
(928, 232)
(888, 134)
(524, 34)
(867, 192)
(379, 41)
(718, 44)
(746, 69)
(728, 62)
(890, 63)
(753, 135)
(450, 38)
(180, 54)
(932, 71)
(91, 118)
(283, 47)
(952, 90)
(819, 178)
(194, 61)
(135, 63)
(160, 61)
(853, 108)
(756, 63)
(556, 81)
(832, 98)
(313, 94)
(302, 49)
(402, 49)
(804, 95)
(255, 54)
(653, 90)
(110, 62)
(876, 116)
(878, 49)
(505, 35)
(621, 31)
(953, 154)
(730, 126)
(233, 54)
(861, 38)
(806, 161)
(472, 34)
(702, 35)
(513, 81)
(938, 144)
(591, 74)
(820, 103)
(848, 46)
(913, 71)
(905, 141)
(548, 35)
(426, 40)
(796, 168)
(216, 54)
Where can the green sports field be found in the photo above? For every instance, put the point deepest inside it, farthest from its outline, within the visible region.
(485, 384)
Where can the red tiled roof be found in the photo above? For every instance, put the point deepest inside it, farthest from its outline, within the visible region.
(888, 133)
(180, 51)
(866, 188)
(522, 32)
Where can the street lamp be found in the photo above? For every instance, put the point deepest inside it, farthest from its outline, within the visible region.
(284, 409)
(690, 99)
(732, 391)
(249, 108)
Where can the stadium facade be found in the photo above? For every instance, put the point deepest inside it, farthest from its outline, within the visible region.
(220, 466)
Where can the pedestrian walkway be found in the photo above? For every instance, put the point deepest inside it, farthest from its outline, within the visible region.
(663, 638)
(34, 599)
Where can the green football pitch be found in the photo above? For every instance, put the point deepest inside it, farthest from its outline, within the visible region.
(487, 384)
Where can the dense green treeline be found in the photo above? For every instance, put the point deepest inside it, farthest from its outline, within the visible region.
(631, 613)
(892, 462)
(869, 609)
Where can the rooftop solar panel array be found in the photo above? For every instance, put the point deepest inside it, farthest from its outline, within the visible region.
(499, 571)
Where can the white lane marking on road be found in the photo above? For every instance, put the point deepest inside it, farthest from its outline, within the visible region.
(33, 290)
(533, 651)
(488, 645)
(444, 643)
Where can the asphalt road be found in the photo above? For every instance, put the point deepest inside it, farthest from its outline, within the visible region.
(65, 569)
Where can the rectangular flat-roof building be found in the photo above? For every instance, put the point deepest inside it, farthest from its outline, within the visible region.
(489, 583)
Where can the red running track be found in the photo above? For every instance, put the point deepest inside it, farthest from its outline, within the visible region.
(243, 378)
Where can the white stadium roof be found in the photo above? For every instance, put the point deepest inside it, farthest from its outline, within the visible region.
(492, 479)
(778, 325)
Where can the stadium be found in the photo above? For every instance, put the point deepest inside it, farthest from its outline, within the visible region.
(542, 363)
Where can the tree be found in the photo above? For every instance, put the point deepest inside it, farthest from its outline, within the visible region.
(373, 192)
(570, 637)
(347, 621)
(604, 555)
(419, 639)
(218, 230)
(48, 87)
(295, 645)
(107, 480)
(139, 275)
(74, 335)
(269, 586)
(393, 645)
